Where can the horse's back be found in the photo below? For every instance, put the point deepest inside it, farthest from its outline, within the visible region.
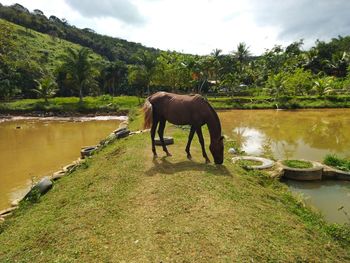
(179, 109)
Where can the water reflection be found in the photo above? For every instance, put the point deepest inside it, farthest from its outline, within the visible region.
(302, 134)
(306, 134)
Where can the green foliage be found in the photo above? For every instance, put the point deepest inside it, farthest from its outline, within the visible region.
(323, 85)
(79, 70)
(297, 164)
(47, 88)
(57, 29)
(323, 70)
(337, 162)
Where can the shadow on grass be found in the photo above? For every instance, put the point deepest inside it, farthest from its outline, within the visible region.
(164, 166)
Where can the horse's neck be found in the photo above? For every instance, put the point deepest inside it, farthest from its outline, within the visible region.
(214, 126)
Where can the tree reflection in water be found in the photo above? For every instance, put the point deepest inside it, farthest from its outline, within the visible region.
(309, 134)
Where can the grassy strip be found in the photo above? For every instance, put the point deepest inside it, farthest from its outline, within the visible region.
(297, 164)
(265, 102)
(124, 206)
(103, 104)
(337, 162)
(109, 105)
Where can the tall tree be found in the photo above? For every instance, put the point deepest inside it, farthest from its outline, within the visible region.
(148, 61)
(79, 68)
(113, 75)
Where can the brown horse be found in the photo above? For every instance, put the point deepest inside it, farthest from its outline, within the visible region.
(191, 110)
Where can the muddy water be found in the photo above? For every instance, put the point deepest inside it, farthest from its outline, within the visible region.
(302, 134)
(33, 148)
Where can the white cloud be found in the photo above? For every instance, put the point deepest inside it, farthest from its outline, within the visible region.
(122, 10)
(199, 26)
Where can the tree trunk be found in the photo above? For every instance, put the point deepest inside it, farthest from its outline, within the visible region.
(81, 93)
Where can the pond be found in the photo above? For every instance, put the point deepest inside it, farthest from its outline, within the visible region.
(299, 134)
(31, 148)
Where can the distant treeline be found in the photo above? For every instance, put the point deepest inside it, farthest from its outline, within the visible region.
(35, 65)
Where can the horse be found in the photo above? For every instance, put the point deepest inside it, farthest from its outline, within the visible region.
(191, 110)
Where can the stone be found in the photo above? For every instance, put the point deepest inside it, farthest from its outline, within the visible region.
(58, 175)
(15, 203)
(7, 211)
(232, 150)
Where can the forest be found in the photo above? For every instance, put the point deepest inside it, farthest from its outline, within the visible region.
(45, 57)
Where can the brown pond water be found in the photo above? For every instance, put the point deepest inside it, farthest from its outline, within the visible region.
(33, 148)
(301, 134)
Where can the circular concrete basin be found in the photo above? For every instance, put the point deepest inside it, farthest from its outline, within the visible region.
(265, 163)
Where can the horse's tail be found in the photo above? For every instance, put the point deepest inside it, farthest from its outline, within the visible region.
(147, 110)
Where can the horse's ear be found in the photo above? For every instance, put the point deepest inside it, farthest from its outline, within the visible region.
(221, 138)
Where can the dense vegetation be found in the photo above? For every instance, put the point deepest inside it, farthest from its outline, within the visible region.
(337, 162)
(43, 65)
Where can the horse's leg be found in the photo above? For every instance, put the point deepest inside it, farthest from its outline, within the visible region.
(201, 141)
(190, 137)
(161, 133)
(153, 133)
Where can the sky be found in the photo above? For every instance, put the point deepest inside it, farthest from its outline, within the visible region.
(200, 26)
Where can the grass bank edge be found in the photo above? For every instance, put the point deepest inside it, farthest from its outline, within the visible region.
(107, 104)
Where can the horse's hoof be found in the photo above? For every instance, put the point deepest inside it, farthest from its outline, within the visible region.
(207, 161)
(155, 157)
(168, 154)
(189, 157)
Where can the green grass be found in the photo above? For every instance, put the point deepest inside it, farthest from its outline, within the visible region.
(297, 164)
(125, 206)
(266, 102)
(337, 162)
(32, 46)
(247, 164)
(102, 104)
(107, 104)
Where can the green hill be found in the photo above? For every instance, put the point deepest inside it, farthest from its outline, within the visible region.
(38, 48)
(109, 47)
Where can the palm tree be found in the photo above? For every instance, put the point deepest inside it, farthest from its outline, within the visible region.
(77, 64)
(46, 88)
(149, 62)
(242, 53)
(216, 56)
(113, 74)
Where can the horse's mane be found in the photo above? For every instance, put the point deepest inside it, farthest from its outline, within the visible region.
(216, 117)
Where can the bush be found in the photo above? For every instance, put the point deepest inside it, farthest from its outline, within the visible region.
(337, 162)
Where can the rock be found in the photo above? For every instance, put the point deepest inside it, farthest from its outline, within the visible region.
(69, 167)
(58, 175)
(15, 203)
(333, 173)
(7, 211)
(232, 150)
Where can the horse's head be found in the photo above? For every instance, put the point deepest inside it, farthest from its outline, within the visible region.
(217, 150)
